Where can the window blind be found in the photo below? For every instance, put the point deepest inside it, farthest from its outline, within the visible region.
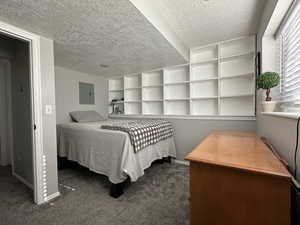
(289, 41)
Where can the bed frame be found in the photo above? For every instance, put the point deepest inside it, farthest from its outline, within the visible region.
(116, 190)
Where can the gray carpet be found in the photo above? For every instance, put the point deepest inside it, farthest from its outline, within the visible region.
(158, 198)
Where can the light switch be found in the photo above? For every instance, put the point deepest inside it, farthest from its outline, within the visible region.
(48, 109)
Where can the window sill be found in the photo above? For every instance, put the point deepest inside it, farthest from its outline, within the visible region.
(289, 115)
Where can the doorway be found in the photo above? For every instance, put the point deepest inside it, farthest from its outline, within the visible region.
(16, 130)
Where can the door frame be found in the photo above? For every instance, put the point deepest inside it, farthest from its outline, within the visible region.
(39, 171)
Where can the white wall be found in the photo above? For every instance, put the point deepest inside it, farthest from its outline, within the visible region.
(152, 13)
(265, 20)
(190, 132)
(49, 120)
(281, 132)
(67, 93)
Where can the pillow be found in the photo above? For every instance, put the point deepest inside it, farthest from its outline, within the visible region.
(85, 116)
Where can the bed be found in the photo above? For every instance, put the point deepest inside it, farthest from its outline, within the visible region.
(109, 152)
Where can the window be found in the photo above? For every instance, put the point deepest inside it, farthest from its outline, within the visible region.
(289, 40)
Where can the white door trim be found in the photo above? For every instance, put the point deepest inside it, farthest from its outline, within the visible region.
(37, 107)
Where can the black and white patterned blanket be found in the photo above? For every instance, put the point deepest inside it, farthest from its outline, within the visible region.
(142, 133)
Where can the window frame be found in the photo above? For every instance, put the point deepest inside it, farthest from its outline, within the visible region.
(286, 105)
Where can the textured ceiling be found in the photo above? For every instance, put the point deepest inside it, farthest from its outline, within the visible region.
(199, 22)
(93, 32)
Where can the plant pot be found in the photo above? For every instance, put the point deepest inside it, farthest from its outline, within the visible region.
(269, 106)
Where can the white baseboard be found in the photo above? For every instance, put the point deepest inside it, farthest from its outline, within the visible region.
(182, 162)
(50, 197)
(22, 180)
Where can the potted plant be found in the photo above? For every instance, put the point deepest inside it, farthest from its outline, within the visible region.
(267, 81)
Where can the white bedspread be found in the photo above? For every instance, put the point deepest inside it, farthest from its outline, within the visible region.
(108, 152)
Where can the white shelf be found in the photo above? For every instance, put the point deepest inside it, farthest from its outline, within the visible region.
(201, 98)
(179, 74)
(204, 54)
(116, 84)
(237, 86)
(133, 108)
(202, 80)
(132, 81)
(133, 95)
(177, 107)
(233, 106)
(132, 101)
(117, 95)
(117, 90)
(178, 91)
(204, 71)
(153, 78)
(152, 93)
(239, 75)
(151, 86)
(236, 96)
(209, 61)
(118, 102)
(239, 56)
(176, 99)
(204, 89)
(154, 100)
(290, 115)
(219, 81)
(237, 47)
(178, 82)
(238, 66)
(133, 88)
(204, 107)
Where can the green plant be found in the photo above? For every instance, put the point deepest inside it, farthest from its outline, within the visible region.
(267, 81)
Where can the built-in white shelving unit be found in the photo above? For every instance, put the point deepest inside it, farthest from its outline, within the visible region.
(153, 93)
(133, 94)
(116, 92)
(204, 54)
(204, 71)
(218, 81)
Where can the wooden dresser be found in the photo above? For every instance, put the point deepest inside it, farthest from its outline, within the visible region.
(236, 180)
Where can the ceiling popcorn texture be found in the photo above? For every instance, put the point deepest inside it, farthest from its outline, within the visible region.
(94, 32)
(200, 22)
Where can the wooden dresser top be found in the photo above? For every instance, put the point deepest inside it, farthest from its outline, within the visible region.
(239, 150)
